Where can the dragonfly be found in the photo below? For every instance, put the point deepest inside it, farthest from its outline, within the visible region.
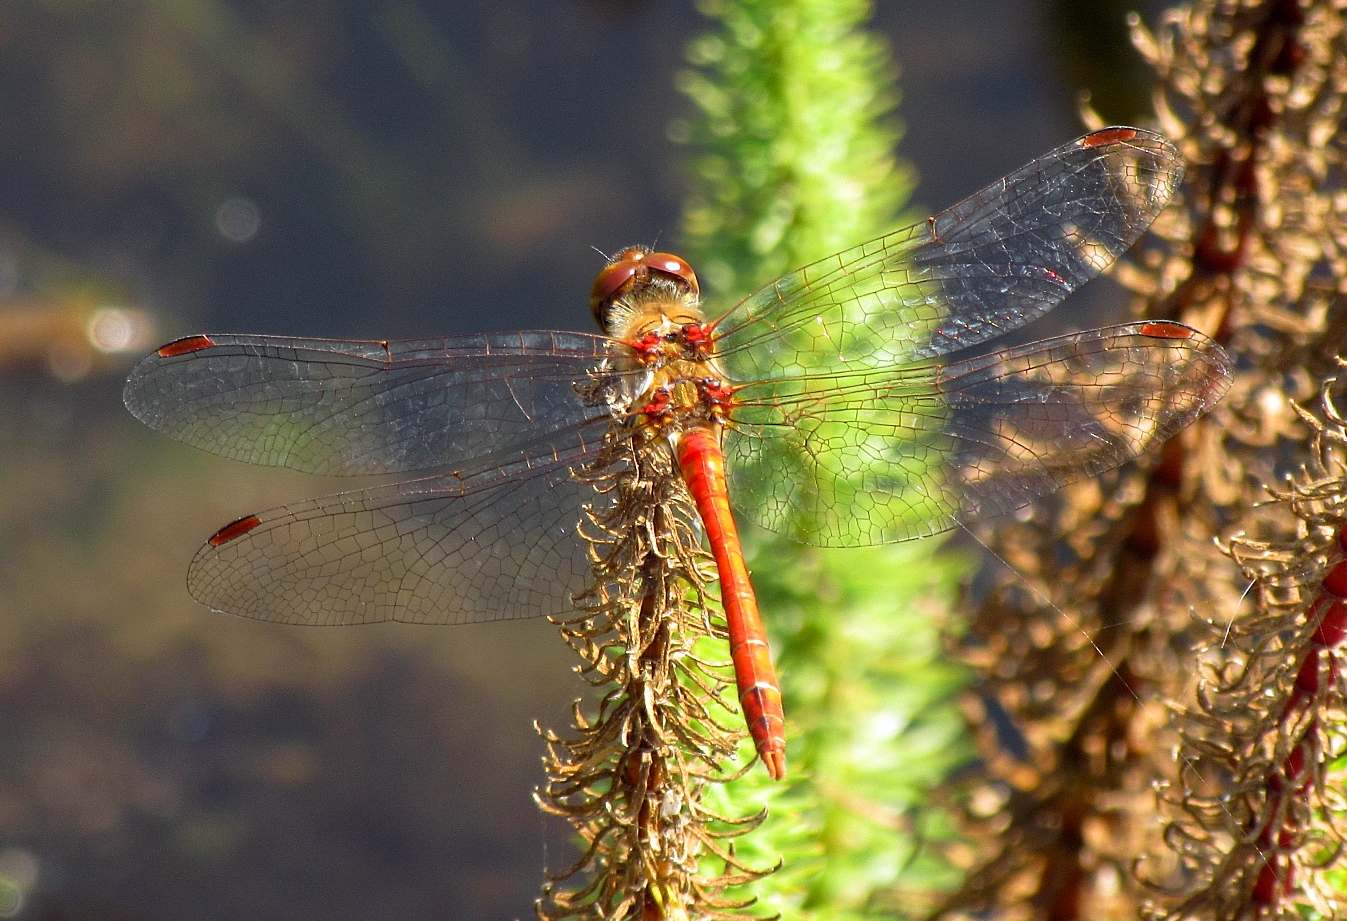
(846, 403)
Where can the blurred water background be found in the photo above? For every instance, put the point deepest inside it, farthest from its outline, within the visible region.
(366, 168)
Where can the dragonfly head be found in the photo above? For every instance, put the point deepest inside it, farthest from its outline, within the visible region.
(634, 282)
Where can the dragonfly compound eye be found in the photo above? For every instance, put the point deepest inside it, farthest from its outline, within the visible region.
(613, 280)
(675, 267)
(622, 273)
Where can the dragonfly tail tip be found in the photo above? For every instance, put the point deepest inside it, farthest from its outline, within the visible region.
(775, 762)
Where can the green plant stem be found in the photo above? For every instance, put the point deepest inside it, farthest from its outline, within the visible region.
(794, 137)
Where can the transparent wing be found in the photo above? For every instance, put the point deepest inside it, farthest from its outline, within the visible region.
(333, 407)
(987, 265)
(442, 550)
(878, 456)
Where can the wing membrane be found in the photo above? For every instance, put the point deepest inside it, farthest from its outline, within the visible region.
(333, 407)
(497, 545)
(987, 265)
(879, 456)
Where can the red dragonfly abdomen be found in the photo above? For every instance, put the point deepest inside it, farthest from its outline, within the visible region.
(702, 465)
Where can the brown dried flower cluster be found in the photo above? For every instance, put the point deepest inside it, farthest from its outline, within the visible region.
(631, 779)
(1261, 794)
(1088, 649)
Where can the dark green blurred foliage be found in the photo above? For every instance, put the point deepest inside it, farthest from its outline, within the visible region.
(793, 142)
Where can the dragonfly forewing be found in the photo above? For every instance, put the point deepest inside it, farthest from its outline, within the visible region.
(989, 264)
(344, 408)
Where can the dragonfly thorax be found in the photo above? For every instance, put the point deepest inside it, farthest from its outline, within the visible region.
(674, 404)
(668, 339)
